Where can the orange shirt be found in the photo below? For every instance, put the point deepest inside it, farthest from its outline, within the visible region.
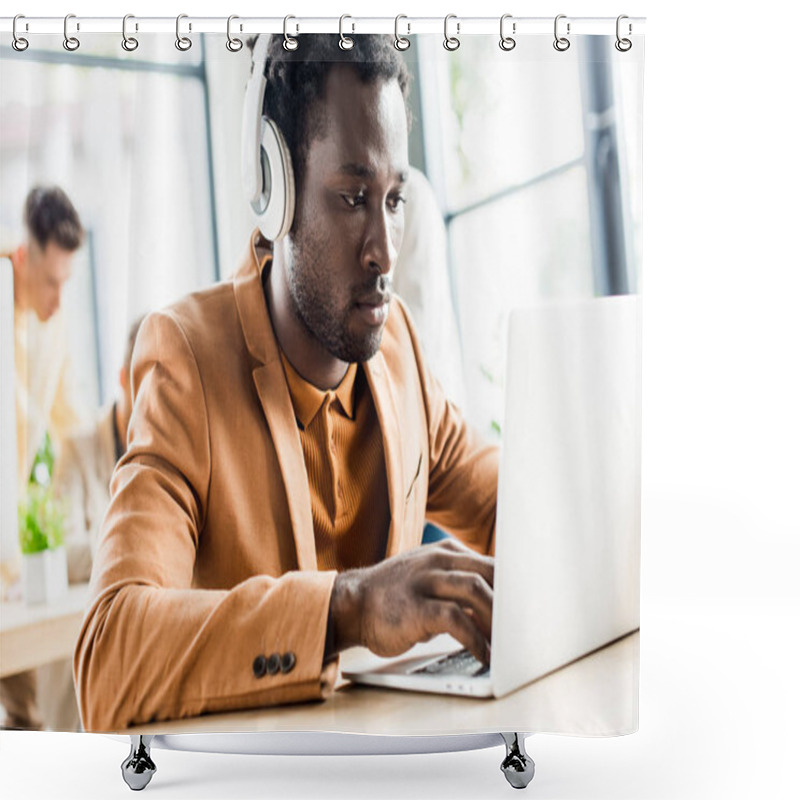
(343, 451)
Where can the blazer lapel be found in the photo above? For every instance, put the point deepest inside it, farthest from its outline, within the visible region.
(273, 393)
(277, 405)
(382, 395)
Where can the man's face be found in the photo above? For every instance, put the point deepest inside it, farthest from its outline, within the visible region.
(349, 217)
(47, 271)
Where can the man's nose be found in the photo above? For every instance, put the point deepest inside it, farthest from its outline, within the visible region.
(379, 253)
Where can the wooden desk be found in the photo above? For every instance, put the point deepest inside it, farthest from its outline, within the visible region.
(31, 636)
(595, 696)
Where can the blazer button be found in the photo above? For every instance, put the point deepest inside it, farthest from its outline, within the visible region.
(287, 662)
(260, 666)
(274, 664)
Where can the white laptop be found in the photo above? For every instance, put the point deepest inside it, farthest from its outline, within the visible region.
(566, 579)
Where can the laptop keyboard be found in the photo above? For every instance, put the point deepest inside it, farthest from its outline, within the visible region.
(461, 662)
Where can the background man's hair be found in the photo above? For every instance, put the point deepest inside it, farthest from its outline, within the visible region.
(132, 333)
(296, 82)
(51, 217)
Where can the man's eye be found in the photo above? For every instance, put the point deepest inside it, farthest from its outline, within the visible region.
(396, 201)
(354, 200)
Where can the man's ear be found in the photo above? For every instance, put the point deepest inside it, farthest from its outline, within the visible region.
(124, 378)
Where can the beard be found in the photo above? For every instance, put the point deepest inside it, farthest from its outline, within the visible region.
(325, 310)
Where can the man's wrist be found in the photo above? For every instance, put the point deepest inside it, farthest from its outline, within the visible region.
(344, 614)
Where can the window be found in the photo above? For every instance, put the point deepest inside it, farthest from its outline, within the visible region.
(125, 136)
(522, 150)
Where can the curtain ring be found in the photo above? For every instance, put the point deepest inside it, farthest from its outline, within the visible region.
(19, 43)
(183, 43)
(70, 42)
(400, 42)
(561, 43)
(129, 43)
(233, 44)
(345, 42)
(623, 45)
(506, 42)
(451, 42)
(289, 42)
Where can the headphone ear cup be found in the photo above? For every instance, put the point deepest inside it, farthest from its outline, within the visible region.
(274, 206)
(261, 168)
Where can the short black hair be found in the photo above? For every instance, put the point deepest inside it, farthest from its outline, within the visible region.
(51, 217)
(296, 81)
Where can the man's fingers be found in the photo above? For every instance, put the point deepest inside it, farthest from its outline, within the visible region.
(468, 589)
(462, 559)
(449, 617)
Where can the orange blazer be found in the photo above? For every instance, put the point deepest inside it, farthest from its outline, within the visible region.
(205, 593)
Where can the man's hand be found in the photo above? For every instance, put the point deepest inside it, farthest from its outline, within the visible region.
(438, 588)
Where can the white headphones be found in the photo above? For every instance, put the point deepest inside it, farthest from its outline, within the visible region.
(267, 175)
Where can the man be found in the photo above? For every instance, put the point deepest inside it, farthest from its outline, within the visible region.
(287, 443)
(41, 265)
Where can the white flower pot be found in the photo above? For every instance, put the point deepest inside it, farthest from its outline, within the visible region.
(44, 576)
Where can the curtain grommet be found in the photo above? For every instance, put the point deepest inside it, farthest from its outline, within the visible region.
(289, 42)
(345, 42)
(234, 44)
(71, 43)
(129, 43)
(507, 43)
(451, 43)
(401, 42)
(183, 43)
(19, 43)
(623, 44)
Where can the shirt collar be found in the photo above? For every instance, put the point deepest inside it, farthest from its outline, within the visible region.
(307, 399)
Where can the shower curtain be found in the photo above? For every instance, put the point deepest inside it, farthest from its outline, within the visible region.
(243, 459)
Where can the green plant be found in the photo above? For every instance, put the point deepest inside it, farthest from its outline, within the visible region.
(41, 520)
(42, 469)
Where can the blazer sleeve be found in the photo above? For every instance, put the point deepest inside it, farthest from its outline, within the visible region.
(151, 646)
(462, 467)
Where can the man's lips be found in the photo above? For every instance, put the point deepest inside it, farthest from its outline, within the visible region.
(373, 300)
(374, 308)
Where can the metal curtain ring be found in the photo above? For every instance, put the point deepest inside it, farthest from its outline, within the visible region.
(183, 43)
(506, 42)
(129, 43)
(233, 44)
(451, 42)
(70, 42)
(19, 43)
(345, 42)
(561, 43)
(623, 45)
(289, 42)
(400, 42)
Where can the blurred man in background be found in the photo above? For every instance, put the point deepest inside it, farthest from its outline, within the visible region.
(42, 264)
